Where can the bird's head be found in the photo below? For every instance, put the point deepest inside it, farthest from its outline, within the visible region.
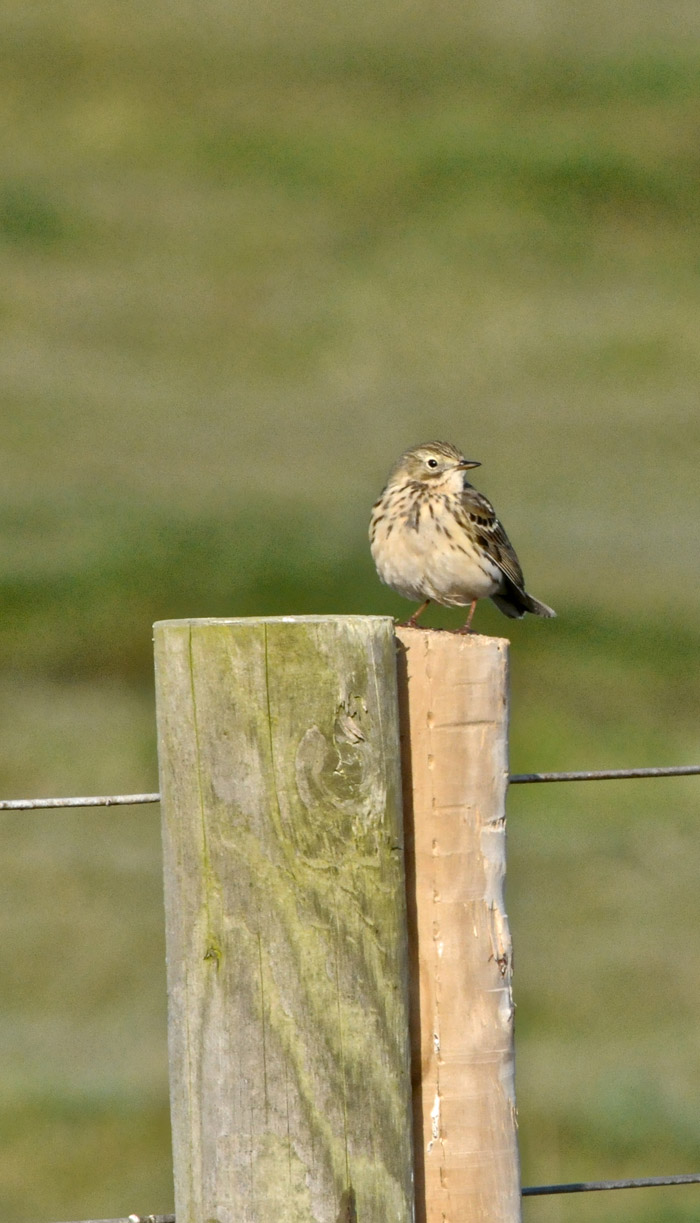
(437, 464)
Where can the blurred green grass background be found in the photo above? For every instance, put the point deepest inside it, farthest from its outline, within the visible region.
(248, 255)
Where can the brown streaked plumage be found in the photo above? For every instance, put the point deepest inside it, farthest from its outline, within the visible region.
(434, 538)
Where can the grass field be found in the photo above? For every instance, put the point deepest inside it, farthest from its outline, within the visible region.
(247, 257)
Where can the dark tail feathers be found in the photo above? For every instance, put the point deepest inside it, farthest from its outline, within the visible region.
(514, 603)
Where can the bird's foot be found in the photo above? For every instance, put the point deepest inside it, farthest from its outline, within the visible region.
(412, 620)
(467, 627)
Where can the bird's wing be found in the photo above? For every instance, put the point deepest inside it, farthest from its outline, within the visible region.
(480, 520)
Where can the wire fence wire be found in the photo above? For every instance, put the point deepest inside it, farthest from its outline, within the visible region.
(135, 1219)
(98, 800)
(678, 770)
(129, 800)
(641, 1182)
(638, 1182)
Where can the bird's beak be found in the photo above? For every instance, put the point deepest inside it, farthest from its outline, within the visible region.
(465, 464)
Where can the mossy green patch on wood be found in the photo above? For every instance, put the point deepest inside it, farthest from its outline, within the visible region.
(283, 852)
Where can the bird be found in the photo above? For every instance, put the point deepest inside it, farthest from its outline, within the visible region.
(435, 539)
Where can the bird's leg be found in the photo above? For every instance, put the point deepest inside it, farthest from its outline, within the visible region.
(411, 622)
(467, 626)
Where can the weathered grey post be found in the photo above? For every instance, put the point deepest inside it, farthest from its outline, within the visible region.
(454, 718)
(286, 931)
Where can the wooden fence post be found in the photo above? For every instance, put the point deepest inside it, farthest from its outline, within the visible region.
(285, 920)
(453, 695)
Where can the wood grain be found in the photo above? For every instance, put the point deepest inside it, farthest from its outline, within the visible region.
(453, 696)
(285, 920)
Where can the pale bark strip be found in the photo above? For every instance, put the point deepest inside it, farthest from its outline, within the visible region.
(285, 920)
(453, 697)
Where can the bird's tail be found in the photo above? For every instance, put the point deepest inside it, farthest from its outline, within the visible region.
(516, 602)
(537, 608)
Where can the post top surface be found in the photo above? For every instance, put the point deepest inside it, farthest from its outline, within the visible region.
(430, 637)
(203, 620)
(440, 637)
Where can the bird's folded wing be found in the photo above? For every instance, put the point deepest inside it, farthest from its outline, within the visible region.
(482, 522)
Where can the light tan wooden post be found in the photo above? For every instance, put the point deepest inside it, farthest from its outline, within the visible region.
(285, 917)
(453, 694)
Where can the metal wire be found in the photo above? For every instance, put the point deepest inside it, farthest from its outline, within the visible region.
(641, 1182)
(126, 800)
(681, 770)
(135, 1219)
(114, 800)
(100, 800)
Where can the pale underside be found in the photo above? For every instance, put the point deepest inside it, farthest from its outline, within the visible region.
(421, 562)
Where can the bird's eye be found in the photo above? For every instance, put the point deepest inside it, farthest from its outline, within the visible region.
(432, 462)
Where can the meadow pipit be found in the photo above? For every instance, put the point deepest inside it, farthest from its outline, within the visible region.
(435, 539)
